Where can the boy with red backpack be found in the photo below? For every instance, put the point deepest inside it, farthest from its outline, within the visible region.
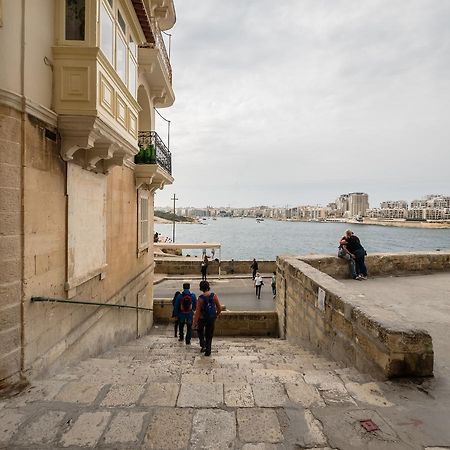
(207, 312)
(185, 305)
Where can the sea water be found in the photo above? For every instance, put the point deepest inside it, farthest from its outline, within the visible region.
(246, 238)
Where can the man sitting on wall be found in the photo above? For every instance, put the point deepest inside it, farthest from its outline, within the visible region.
(345, 254)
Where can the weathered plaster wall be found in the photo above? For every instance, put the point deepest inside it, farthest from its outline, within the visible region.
(10, 243)
(346, 328)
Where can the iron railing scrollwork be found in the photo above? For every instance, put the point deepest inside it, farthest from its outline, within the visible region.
(163, 155)
(160, 45)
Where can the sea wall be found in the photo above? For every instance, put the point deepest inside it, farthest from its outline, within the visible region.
(315, 309)
(384, 264)
(230, 323)
(189, 266)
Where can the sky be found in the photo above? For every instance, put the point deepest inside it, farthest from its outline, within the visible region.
(295, 102)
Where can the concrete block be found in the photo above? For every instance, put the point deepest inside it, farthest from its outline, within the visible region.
(87, 430)
(10, 247)
(213, 429)
(10, 200)
(10, 317)
(78, 392)
(201, 395)
(304, 394)
(43, 430)
(9, 176)
(169, 429)
(10, 339)
(9, 128)
(10, 153)
(258, 425)
(125, 428)
(123, 395)
(10, 223)
(160, 394)
(269, 395)
(10, 294)
(238, 395)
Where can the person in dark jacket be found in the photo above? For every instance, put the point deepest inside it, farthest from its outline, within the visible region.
(208, 310)
(185, 305)
(204, 268)
(174, 314)
(358, 252)
(254, 268)
(345, 254)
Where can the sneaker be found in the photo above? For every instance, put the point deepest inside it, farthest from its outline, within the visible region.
(359, 278)
(363, 277)
(202, 349)
(208, 354)
(188, 343)
(181, 339)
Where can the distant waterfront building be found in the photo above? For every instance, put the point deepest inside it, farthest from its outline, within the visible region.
(394, 204)
(358, 203)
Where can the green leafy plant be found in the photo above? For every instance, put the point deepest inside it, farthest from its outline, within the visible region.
(146, 155)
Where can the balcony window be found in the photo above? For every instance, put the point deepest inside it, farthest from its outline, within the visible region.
(106, 32)
(143, 219)
(121, 58)
(75, 20)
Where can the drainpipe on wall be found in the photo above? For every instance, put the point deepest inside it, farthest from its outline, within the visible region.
(22, 177)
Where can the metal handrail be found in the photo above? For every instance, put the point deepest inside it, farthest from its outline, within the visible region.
(163, 155)
(82, 302)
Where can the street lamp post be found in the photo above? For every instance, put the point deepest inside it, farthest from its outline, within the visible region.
(174, 198)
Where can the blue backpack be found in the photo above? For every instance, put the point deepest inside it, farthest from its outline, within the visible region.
(209, 307)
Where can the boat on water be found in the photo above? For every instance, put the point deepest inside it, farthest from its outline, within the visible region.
(259, 219)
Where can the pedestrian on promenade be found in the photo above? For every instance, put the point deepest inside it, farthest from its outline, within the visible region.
(185, 305)
(274, 284)
(156, 237)
(254, 268)
(175, 314)
(204, 268)
(208, 310)
(259, 283)
(358, 252)
(345, 254)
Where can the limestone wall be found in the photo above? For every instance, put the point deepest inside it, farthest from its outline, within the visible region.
(183, 266)
(10, 242)
(231, 323)
(382, 264)
(345, 328)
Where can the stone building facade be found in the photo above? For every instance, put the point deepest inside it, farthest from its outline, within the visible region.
(76, 212)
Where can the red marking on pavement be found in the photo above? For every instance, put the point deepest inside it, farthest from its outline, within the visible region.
(414, 422)
(369, 425)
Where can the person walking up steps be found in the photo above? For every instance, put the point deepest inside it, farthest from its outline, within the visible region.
(254, 268)
(208, 310)
(185, 305)
(259, 283)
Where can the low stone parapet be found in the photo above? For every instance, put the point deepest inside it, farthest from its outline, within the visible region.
(315, 309)
(230, 323)
(191, 265)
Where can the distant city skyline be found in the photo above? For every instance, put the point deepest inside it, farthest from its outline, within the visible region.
(298, 100)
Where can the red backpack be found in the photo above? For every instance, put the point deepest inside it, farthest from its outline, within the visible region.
(186, 303)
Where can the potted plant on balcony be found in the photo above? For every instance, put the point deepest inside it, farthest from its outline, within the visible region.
(146, 155)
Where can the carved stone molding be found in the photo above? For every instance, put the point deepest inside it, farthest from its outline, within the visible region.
(151, 177)
(91, 143)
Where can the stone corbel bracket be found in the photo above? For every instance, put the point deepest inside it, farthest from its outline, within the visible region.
(151, 177)
(88, 141)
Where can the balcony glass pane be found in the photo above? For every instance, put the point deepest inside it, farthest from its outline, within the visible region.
(133, 47)
(75, 20)
(121, 21)
(132, 67)
(106, 37)
(121, 58)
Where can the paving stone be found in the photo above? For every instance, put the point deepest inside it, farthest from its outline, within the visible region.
(213, 429)
(258, 425)
(87, 430)
(222, 375)
(43, 430)
(368, 393)
(330, 386)
(170, 428)
(125, 395)
(260, 446)
(304, 394)
(160, 394)
(238, 395)
(9, 423)
(200, 395)
(125, 427)
(78, 392)
(269, 395)
(301, 429)
(39, 391)
(196, 378)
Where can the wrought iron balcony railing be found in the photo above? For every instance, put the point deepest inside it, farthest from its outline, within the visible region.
(163, 157)
(160, 45)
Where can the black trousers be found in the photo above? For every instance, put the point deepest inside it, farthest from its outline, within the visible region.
(175, 327)
(258, 290)
(205, 331)
(204, 271)
(188, 324)
(361, 268)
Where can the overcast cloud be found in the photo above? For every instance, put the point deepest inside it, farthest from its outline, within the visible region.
(295, 102)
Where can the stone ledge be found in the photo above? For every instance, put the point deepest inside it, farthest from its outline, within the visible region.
(348, 329)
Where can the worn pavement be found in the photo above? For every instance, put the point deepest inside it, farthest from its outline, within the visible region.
(251, 394)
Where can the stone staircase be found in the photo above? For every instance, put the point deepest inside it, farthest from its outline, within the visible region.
(158, 393)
